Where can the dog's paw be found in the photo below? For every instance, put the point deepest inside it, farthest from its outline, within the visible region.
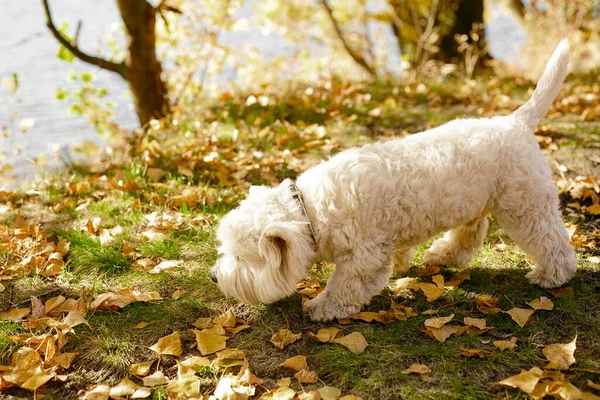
(323, 308)
(537, 277)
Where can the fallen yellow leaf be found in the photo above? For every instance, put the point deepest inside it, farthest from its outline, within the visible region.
(14, 314)
(176, 295)
(355, 342)
(306, 376)
(141, 325)
(141, 369)
(433, 290)
(225, 320)
(418, 369)
(526, 380)
(284, 337)
(543, 303)
(169, 345)
(506, 344)
(326, 335)
(209, 343)
(295, 363)
(124, 388)
(329, 393)
(471, 353)
(520, 315)
(476, 322)
(438, 322)
(560, 355)
(156, 379)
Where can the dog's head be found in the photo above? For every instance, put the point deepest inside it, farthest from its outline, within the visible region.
(265, 247)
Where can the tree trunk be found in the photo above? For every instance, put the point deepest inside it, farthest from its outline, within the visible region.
(143, 69)
(467, 13)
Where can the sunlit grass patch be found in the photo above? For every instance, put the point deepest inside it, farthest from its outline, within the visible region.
(89, 256)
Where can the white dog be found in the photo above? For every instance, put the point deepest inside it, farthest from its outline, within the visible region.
(367, 207)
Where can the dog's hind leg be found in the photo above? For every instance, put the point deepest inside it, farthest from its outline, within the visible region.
(459, 245)
(360, 274)
(401, 260)
(540, 231)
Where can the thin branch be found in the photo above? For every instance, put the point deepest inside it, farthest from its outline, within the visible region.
(360, 60)
(119, 68)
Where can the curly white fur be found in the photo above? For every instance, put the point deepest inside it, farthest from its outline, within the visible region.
(369, 206)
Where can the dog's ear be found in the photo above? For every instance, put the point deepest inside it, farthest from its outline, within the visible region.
(273, 243)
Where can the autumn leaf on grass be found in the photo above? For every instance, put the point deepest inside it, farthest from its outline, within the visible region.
(330, 393)
(562, 293)
(74, 318)
(195, 362)
(168, 345)
(404, 284)
(560, 355)
(141, 325)
(543, 303)
(418, 369)
(326, 335)
(526, 380)
(471, 353)
(64, 360)
(295, 363)
(176, 295)
(156, 379)
(437, 328)
(458, 278)
(306, 376)
(284, 337)
(520, 315)
(125, 388)
(246, 377)
(506, 344)
(14, 314)
(209, 343)
(202, 323)
(487, 304)
(355, 342)
(226, 320)
(433, 290)
(476, 326)
(97, 392)
(229, 358)
(141, 369)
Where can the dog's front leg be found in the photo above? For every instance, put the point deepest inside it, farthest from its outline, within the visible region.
(353, 283)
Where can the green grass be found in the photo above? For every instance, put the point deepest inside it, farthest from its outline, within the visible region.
(88, 256)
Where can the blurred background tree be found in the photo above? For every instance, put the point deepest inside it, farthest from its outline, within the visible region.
(140, 68)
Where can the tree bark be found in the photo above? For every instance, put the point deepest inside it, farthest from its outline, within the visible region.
(141, 69)
(144, 70)
(468, 12)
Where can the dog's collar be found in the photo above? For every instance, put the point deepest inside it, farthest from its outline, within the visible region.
(297, 195)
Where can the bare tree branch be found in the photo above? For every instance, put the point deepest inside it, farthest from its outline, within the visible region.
(359, 59)
(119, 68)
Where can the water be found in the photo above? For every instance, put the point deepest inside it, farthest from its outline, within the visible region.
(28, 49)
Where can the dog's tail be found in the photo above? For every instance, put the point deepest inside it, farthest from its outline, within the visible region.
(547, 88)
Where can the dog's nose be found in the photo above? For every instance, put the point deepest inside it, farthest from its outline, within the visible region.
(213, 276)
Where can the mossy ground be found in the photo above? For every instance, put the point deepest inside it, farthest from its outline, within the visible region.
(110, 344)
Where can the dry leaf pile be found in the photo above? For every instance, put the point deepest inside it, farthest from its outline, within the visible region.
(41, 357)
(28, 250)
(211, 342)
